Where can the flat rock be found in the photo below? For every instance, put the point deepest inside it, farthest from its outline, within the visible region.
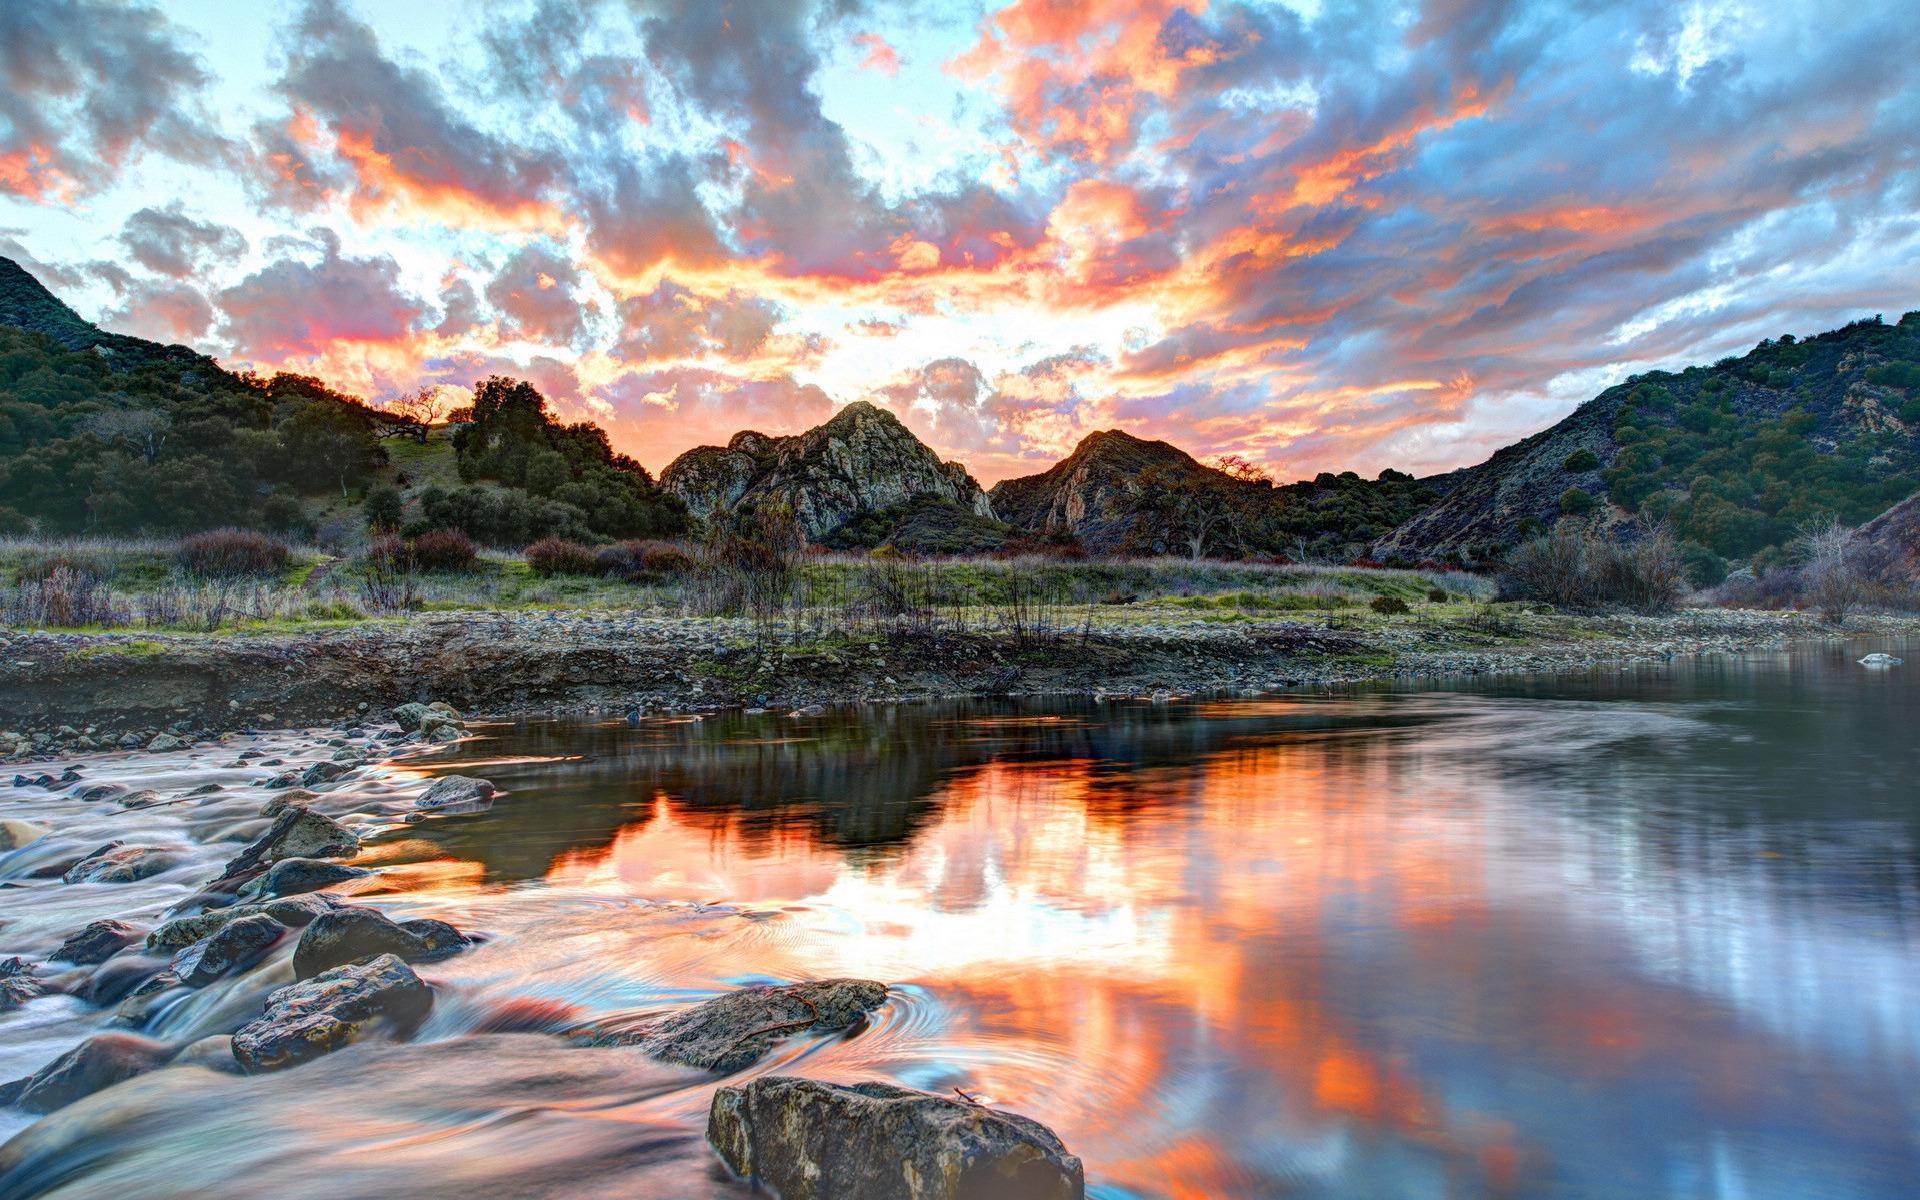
(804, 1139)
(731, 1032)
(98, 942)
(114, 863)
(333, 1009)
(99, 1062)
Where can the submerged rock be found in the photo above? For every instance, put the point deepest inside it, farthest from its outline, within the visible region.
(115, 863)
(15, 833)
(237, 945)
(456, 794)
(99, 1062)
(731, 1032)
(808, 1140)
(1878, 659)
(347, 934)
(98, 942)
(293, 876)
(333, 1009)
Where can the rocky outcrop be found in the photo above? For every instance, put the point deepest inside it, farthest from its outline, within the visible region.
(333, 1009)
(862, 460)
(99, 1062)
(803, 1139)
(1093, 493)
(731, 1032)
(1889, 545)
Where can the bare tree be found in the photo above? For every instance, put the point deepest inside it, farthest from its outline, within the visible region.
(1830, 567)
(416, 411)
(145, 429)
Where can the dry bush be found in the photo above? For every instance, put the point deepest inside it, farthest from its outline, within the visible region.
(1830, 574)
(644, 561)
(1580, 566)
(65, 597)
(232, 554)
(558, 556)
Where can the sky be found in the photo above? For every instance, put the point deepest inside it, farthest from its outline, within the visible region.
(1315, 234)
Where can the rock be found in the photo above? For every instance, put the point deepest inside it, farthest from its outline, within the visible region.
(98, 942)
(292, 876)
(205, 789)
(295, 798)
(1878, 659)
(17, 984)
(16, 833)
(296, 833)
(101, 791)
(120, 975)
(435, 729)
(731, 1032)
(440, 938)
(165, 742)
(291, 911)
(804, 1139)
(446, 710)
(114, 863)
(409, 716)
(348, 934)
(456, 794)
(236, 946)
(323, 772)
(99, 1062)
(331, 1010)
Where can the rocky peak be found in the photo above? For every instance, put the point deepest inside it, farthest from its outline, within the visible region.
(862, 459)
(1091, 493)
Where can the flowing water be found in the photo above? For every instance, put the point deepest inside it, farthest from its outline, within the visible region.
(1626, 935)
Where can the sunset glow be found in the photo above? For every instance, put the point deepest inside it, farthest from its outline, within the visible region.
(1319, 235)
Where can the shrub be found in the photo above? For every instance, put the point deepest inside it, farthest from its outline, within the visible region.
(383, 507)
(39, 570)
(1581, 567)
(283, 514)
(558, 556)
(1388, 606)
(643, 561)
(1832, 575)
(232, 554)
(1581, 460)
(1576, 502)
(442, 550)
(1437, 595)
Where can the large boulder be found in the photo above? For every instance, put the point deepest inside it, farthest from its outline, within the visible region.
(333, 1009)
(807, 1140)
(409, 716)
(98, 942)
(293, 876)
(731, 1032)
(96, 1063)
(456, 794)
(238, 945)
(348, 934)
(115, 863)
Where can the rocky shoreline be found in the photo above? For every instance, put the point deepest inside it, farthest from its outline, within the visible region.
(85, 691)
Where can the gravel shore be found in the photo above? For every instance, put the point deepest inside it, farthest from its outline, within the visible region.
(129, 687)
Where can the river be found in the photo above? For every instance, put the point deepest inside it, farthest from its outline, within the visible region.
(1641, 934)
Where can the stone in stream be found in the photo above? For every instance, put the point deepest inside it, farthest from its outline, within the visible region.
(115, 863)
(99, 1062)
(98, 942)
(293, 876)
(17, 984)
(323, 772)
(15, 833)
(291, 911)
(295, 833)
(409, 716)
(214, 1052)
(333, 1009)
(804, 1139)
(237, 945)
(456, 794)
(348, 934)
(164, 742)
(731, 1032)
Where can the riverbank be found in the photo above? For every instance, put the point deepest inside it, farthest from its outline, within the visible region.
(102, 690)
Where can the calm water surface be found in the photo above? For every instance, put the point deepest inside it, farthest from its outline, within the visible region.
(1644, 935)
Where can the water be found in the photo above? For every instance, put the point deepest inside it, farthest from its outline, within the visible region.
(1642, 935)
